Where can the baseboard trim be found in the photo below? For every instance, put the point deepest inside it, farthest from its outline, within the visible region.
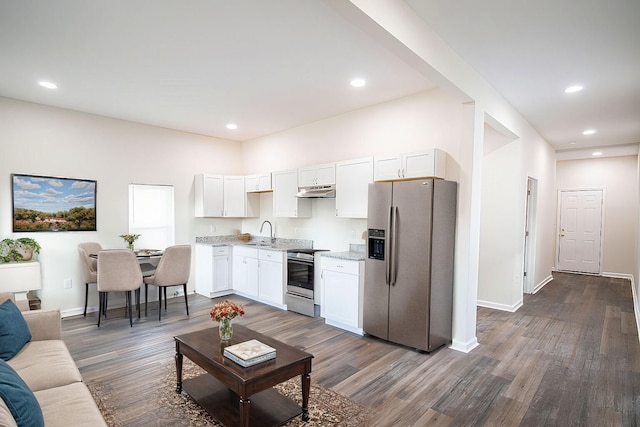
(464, 347)
(502, 307)
(542, 284)
(152, 298)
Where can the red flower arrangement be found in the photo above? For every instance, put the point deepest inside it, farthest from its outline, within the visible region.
(225, 310)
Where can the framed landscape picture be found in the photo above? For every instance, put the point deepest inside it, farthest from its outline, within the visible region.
(47, 203)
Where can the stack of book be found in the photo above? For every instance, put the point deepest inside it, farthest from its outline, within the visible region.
(249, 353)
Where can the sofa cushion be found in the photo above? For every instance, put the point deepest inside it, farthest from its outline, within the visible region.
(70, 405)
(45, 364)
(18, 398)
(14, 332)
(6, 419)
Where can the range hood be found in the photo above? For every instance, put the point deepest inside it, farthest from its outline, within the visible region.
(317, 192)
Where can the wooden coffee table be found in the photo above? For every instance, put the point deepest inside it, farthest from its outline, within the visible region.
(234, 395)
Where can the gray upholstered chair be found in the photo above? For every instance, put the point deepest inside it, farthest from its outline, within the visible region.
(118, 271)
(89, 267)
(173, 270)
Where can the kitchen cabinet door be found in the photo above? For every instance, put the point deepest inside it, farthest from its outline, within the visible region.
(209, 195)
(388, 168)
(342, 286)
(221, 283)
(271, 277)
(285, 202)
(238, 273)
(234, 197)
(245, 271)
(204, 269)
(352, 187)
(212, 270)
(258, 183)
(224, 196)
(252, 274)
(420, 164)
(310, 176)
(424, 164)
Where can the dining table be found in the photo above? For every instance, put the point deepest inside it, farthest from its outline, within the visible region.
(144, 257)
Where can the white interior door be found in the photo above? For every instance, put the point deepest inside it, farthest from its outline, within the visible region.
(580, 234)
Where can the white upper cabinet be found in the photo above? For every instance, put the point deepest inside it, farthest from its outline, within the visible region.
(421, 164)
(352, 187)
(209, 195)
(234, 197)
(317, 175)
(285, 202)
(223, 196)
(258, 183)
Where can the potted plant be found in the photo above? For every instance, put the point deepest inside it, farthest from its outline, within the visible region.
(21, 249)
(130, 238)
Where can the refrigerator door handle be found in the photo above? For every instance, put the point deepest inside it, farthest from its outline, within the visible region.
(387, 256)
(394, 246)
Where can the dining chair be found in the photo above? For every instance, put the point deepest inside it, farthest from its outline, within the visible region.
(118, 271)
(89, 267)
(173, 270)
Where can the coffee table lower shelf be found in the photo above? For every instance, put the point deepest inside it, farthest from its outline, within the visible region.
(268, 408)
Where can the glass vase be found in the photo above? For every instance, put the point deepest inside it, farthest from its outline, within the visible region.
(225, 328)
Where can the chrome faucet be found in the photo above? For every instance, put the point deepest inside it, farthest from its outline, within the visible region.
(270, 230)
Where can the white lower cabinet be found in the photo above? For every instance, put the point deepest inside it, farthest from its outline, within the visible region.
(245, 271)
(342, 292)
(212, 270)
(271, 277)
(259, 274)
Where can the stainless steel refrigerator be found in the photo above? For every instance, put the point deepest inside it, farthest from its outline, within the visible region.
(408, 289)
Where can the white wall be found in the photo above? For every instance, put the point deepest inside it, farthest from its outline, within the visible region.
(502, 225)
(507, 165)
(618, 177)
(55, 142)
(425, 120)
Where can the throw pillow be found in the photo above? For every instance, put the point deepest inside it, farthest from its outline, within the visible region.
(19, 398)
(14, 331)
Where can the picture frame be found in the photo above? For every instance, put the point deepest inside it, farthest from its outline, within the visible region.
(48, 203)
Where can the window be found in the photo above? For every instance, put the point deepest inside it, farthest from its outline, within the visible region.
(151, 214)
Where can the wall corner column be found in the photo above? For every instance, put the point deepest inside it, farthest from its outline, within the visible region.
(465, 288)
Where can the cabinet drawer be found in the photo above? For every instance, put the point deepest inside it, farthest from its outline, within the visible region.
(220, 250)
(341, 265)
(268, 255)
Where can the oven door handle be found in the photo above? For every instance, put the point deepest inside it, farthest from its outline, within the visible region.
(299, 262)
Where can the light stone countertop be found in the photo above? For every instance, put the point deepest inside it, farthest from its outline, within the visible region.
(355, 253)
(280, 244)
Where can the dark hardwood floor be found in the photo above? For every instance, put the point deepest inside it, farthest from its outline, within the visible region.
(569, 356)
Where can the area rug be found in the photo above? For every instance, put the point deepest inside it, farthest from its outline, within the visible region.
(326, 407)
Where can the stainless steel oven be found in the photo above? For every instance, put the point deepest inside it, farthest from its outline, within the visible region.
(300, 282)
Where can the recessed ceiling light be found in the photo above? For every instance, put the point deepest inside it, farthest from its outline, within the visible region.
(232, 126)
(597, 153)
(48, 85)
(358, 82)
(574, 89)
(589, 132)
(572, 143)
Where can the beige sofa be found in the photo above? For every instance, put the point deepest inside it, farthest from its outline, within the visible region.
(47, 368)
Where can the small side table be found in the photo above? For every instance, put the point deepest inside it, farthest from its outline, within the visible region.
(20, 278)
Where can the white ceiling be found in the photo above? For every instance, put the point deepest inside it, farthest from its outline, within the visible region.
(272, 65)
